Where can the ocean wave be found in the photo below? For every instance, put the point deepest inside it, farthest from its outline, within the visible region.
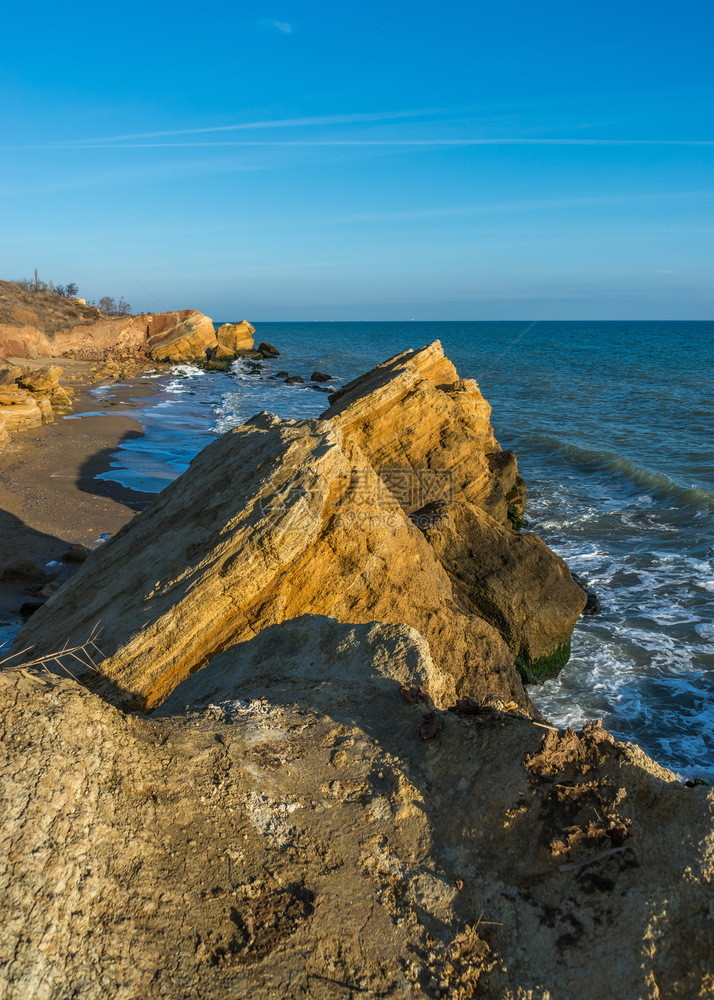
(658, 483)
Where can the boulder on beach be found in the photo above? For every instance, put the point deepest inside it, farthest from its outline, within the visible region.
(179, 337)
(30, 397)
(22, 571)
(234, 338)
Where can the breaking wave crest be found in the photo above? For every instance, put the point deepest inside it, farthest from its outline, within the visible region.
(607, 461)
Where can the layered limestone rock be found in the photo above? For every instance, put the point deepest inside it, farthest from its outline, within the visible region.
(295, 835)
(30, 398)
(234, 339)
(177, 337)
(428, 434)
(271, 521)
(281, 518)
(514, 581)
(180, 337)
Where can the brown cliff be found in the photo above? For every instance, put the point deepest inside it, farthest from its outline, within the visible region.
(42, 325)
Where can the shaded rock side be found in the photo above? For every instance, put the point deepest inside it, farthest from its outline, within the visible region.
(271, 521)
(293, 833)
(428, 434)
(513, 581)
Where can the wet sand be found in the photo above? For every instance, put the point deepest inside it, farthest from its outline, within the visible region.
(49, 496)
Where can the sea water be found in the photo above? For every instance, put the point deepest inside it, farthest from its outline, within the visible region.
(612, 425)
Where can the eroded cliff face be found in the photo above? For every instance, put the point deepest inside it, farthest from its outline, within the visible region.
(297, 821)
(175, 337)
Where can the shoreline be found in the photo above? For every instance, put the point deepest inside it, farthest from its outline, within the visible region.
(50, 497)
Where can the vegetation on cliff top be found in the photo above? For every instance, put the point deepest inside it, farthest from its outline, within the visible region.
(50, 307)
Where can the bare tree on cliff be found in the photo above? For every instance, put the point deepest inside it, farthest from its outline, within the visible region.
(111, 307)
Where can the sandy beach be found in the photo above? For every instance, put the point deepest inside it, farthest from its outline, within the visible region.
(49, 496)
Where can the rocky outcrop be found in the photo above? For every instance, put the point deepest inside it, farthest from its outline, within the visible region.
(175, 337)
(234, 339)
(428, 435)
(45, 325)
(294, 835)
(29, 398)
(273, 520)
(514, 581)
(179, 337)
(338, 517)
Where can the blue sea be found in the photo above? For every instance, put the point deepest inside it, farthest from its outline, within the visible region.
(612, 425)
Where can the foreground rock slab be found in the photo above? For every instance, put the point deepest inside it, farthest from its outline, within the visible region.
(293, 836)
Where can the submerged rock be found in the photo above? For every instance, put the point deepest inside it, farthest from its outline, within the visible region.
(318, 376)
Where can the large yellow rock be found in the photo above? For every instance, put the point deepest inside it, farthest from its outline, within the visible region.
(271, 521)
(21, 411)
(180, 337)
(234, 338)
(41, 380)
(428, 434)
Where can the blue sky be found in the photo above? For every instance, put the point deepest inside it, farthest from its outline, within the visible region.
(378, 160)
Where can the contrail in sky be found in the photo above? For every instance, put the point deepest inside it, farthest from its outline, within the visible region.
(79, 144)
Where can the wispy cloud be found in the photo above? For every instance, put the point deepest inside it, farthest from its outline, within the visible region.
(316, 120)
(385, 143)
(282, 26)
